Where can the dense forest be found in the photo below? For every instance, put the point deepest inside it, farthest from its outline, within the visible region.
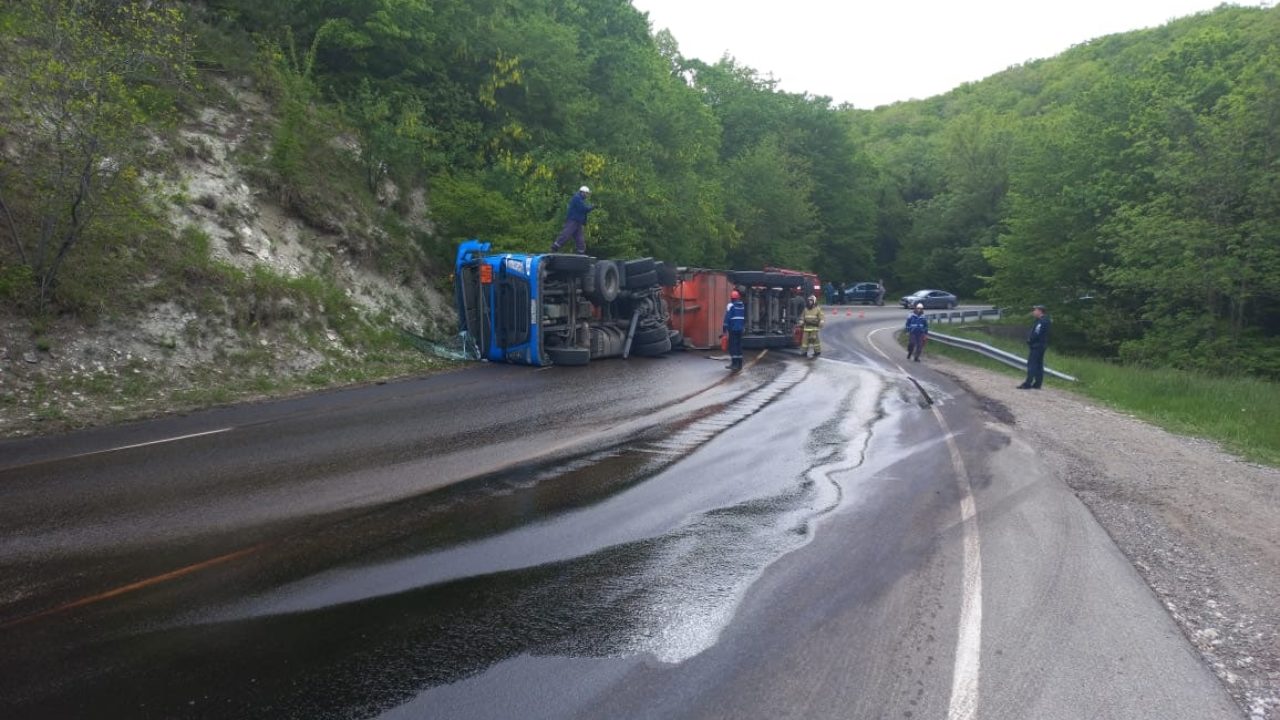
(1131, 183)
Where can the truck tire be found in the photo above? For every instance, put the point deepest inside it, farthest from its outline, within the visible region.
(569, 356)
(637, 266)
(677, 340)
(606, 282)
(649, 335)
(566, 263)
(659, 347)
(640, 281)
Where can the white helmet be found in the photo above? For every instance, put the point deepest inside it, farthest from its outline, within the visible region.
(919, 306)
(584, 189)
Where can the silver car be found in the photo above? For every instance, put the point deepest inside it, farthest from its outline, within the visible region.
(931, 299)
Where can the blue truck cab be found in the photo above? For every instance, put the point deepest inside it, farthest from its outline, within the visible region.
(558, 309)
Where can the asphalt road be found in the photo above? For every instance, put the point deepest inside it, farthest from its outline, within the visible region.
(650, 538)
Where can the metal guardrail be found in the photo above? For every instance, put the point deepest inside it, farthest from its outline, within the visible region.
(981, 348)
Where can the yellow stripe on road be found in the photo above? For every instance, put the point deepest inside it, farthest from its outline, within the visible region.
(134, 586)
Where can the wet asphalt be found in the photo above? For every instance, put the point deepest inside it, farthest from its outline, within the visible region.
(646, 538)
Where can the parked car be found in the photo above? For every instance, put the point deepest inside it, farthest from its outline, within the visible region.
(931, 299)
(863, 292)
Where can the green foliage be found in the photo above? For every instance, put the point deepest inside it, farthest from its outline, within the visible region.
(80, 79)
(466, 208)
(1240, 411)
(15, 284)
(396, 140)
(1131, 183)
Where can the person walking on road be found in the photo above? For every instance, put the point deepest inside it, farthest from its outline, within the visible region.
(1037, 343)
(917, 332)
(880, 292)
(735, 321)
(575, 222)
(813, 322)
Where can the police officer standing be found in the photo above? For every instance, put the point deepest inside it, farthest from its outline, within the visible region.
(1037, 343)
(735, 322)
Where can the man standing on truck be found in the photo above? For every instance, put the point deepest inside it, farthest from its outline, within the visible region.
(575, 222)
(917, 331)
(813, 322)
(735, 322)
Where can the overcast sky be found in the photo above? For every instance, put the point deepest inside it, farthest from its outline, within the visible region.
(871, 53)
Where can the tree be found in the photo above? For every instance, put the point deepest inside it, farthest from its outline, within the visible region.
(81, 78)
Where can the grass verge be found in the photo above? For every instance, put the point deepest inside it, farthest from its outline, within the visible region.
(1242, 413)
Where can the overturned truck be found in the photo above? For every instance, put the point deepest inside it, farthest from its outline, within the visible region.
(560, 309)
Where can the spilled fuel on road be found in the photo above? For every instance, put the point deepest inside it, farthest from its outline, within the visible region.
(642, 548)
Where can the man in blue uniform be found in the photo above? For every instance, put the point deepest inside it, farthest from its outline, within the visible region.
(1037, 343)
(575, 221)
(735, 321)
(917, 331)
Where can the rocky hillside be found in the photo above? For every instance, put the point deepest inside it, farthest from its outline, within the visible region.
(274, 296)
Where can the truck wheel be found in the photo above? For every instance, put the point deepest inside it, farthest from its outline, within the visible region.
(607, 282)
(638, 266)
(640, 281)
(569, 356)
(677, 339)
(648, 336)
(566, 263)
(654, 348)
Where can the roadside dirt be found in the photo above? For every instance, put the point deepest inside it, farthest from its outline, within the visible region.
(1201, 526)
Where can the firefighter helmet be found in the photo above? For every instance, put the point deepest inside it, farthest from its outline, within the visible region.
(735, 295)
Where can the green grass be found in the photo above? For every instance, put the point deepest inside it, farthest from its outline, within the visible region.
(1242, 413)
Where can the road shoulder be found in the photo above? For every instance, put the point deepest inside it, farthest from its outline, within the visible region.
(1200, 525)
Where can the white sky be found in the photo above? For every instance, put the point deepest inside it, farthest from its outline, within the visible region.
(873, 53)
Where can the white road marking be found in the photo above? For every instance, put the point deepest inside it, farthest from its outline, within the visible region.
(964, 678)
(153, 442)
(965, 672)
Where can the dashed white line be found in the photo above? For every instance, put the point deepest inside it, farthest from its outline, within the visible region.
(154, 442)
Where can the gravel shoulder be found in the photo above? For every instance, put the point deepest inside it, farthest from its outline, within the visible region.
(1200, 525)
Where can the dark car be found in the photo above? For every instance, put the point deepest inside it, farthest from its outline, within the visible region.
(931, 299)
(863, 292)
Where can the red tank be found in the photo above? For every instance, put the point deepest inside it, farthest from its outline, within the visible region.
(774, 300)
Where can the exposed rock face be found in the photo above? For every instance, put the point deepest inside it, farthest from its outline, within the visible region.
(208, 188)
